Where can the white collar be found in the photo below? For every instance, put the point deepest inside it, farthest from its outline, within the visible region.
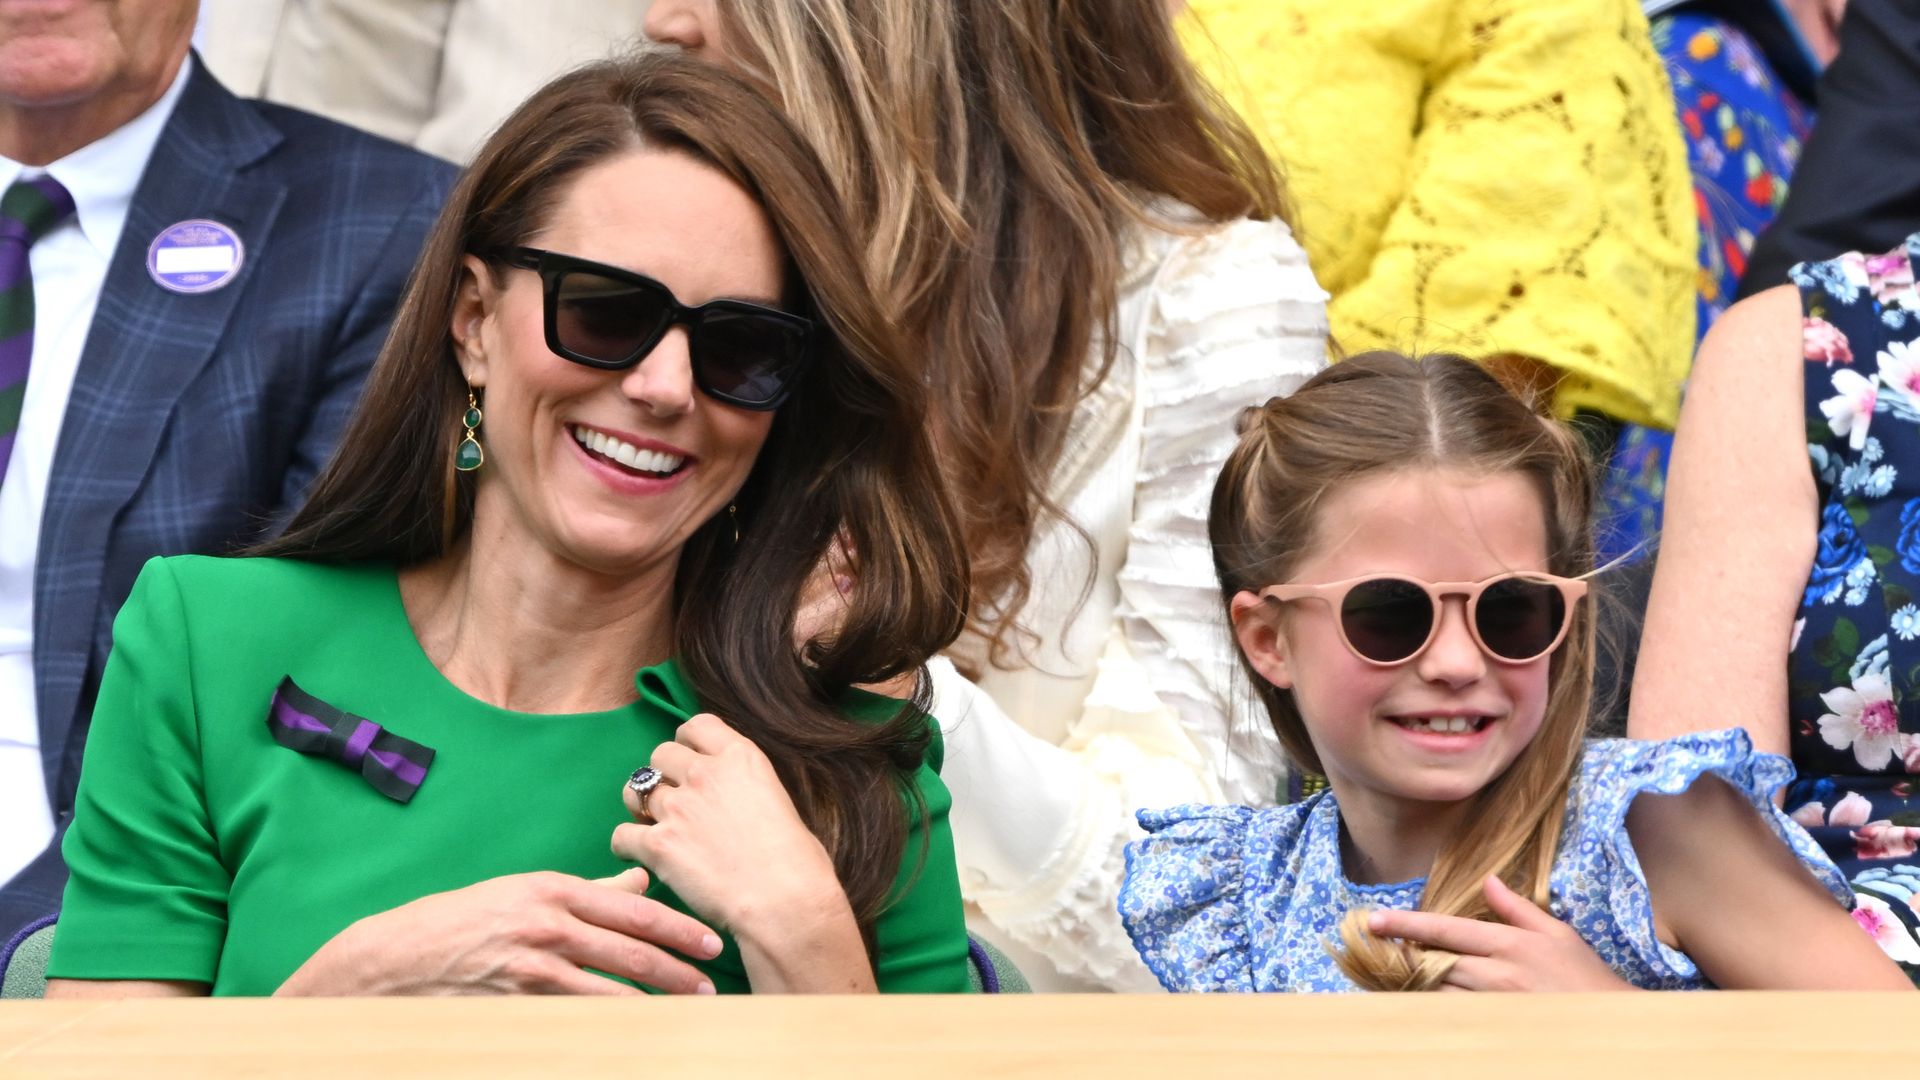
(102, 175)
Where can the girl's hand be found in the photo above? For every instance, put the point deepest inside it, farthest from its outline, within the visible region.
(1534, 951)
(524, 934)
(721, 831)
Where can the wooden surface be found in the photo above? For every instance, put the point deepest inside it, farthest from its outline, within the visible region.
(1623, 1036)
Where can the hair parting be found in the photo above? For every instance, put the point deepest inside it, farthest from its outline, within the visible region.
(1381, 412)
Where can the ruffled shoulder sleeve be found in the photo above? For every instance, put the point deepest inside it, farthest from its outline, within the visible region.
(1190, 885)
(1604, 888)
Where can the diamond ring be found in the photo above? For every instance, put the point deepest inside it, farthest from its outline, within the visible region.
(643, 781)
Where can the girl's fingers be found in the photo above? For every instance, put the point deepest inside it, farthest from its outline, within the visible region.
(1475, 973)
(1517, 910)
(1468, 937)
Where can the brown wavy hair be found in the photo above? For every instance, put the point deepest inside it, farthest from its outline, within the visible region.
(993, 157)
(848, 451)
(1381, 412)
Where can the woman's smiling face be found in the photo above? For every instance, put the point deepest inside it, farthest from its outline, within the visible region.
(613, 470)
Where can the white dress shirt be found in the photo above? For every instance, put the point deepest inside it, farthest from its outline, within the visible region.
(69, 267)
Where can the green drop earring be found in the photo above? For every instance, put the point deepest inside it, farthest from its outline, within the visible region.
(469, 455)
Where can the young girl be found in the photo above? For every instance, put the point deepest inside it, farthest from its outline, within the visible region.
(1401, 548)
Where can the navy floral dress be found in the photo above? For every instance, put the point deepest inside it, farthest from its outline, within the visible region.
(1232, 898)
(1855, 665)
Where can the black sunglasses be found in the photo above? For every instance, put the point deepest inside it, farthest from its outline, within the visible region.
(744, 354)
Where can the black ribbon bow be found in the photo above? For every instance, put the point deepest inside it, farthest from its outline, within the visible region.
(392, 765)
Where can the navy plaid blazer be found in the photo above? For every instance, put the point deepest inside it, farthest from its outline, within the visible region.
(197, 421)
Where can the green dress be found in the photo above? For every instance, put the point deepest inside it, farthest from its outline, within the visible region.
(202, 849)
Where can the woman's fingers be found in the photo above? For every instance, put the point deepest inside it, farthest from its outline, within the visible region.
(707, 734)
(550, 974)
(620, 907)
(1468, 937)
(672, 761)
(619, 954)
(675, 761)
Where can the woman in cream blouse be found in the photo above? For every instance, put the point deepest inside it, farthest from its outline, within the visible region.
(1094, 313)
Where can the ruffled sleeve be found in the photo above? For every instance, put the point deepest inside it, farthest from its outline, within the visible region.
(1187, 885)
(1236, 318)
(1607, 890)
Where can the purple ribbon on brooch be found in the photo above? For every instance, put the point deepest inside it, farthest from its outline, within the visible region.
(394, 766)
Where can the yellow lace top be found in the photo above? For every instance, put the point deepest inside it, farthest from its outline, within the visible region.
(1481, 176)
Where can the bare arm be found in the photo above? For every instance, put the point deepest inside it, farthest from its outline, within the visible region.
(1727, 892)
(1741, 531)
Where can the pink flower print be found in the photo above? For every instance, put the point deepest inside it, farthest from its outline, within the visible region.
(1850, 410)
(1885, 840)
(1864, 718)
(1825, 343)
(1900, 369)
(1851, 811)
(1874, 916)
(1910, 752)
(1811, 816)
(1891, 277)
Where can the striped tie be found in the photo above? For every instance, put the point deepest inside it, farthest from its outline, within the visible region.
(29, 210)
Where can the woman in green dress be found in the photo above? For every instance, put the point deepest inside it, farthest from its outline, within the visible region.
(637, 392)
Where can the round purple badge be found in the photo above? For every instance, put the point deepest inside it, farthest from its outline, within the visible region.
(195, 256)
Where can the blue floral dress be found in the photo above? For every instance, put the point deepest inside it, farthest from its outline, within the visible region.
(1234, 898)
(1854, 673)
(1744, 130)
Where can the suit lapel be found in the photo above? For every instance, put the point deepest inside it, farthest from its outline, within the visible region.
(146, 345)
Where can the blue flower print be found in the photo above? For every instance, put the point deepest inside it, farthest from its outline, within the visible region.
(1872, 660)
(1829, 277)
(1906, 623)
(1865, 478)
(1824, 465)
(1841, 552)
(1909, 543)
(1859, 580)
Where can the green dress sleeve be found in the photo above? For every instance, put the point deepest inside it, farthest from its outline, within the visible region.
(147, 895)
(922, 937)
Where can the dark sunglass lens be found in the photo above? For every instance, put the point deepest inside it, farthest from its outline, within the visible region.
(605, 320)
(1518, 618)
(748, 357)
(1386, 619)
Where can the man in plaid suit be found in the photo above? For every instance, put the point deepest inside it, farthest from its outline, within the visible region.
(192, 288)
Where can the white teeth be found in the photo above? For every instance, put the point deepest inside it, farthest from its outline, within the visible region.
(1445, 725)
(631, 456)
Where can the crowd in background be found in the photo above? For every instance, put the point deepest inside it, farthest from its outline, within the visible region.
(962, 416)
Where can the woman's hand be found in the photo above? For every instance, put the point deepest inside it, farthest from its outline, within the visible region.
(524, 934)
(722, 832)
(1533, 951)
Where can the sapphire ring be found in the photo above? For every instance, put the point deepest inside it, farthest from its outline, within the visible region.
(642, 782)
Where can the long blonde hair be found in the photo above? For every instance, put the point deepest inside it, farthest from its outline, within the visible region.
(993, 155)
(1382, 412)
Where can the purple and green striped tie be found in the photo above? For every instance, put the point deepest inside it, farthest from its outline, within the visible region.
(28, 211)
